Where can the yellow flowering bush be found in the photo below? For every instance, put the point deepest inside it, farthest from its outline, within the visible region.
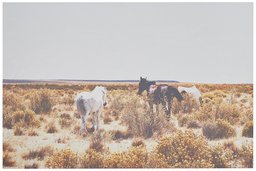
(63, 159)
(136, 157)
(92, 159)
(185, 150)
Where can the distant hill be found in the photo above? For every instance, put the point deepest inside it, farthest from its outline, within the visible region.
(6, 81)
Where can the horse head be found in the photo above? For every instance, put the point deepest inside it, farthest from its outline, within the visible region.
(143, 85)
(103, 91)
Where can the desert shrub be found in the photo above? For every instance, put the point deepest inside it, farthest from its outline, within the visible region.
(185, 150)
(226, 128)
(62, 140)
(7, 157)
(218, 130)
(8, 160)
(184, 119)
(230, 113)
(141, 122)
(7, 117)
(246, 115)
(27, 118)
(51, 128)
(220, 157)
(39, 154)
(248, 129)
(136, 157)
(219, 93)
(206, 113)
(7, 147)
(211, 131)
(13, 101)
(117, 104)
(32, 132)
(247, 156)
(19, 129)
(68, 100)
(117, 134)
(193, 124)
(138, 142)
(34, 165)
(157, 160)
(209, 96)
(97, 142)
(107, 119)
(63, 159)
(65, 120)
(41, 101)
(92, 159)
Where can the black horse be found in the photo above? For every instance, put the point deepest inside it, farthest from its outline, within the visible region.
(159, 94)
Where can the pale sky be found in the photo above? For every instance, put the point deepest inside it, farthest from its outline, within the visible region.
(187, 42)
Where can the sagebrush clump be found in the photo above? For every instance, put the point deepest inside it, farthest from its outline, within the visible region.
(248, 129)
(92, 159)
(41, 101)
(218, 130)
(136, 157)
(143, 123)
(63, 159)
(185, 150)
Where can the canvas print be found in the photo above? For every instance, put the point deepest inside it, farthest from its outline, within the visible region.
(127, 85)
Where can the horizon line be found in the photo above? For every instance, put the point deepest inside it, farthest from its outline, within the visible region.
(103, 80)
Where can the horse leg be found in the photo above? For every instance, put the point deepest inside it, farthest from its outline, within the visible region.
(170, 109)
(157, 108)
(97, 120)
(83, 123)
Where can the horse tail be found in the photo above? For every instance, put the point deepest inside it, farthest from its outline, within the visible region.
(81, 105)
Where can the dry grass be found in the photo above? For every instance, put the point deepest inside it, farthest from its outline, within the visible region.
(41, 101)
(97, 142)
(129, 127)
(34, 165)
(65, 120)
(51, 128)
(220, 129)
(8, 160)
(117, 135)
(39, 154)
(92, 159)
(63, 159)
(248, 129)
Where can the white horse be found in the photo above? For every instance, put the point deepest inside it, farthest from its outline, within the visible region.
(193, 91)
(91, 103)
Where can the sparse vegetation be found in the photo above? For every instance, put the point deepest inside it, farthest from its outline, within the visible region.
(248, 129)
(65, 120)
(92, 159)
(185, 150)
(220, 129)
(41, 101)
(39, 153)
(63, 159)
(43, 119)
(51, 128)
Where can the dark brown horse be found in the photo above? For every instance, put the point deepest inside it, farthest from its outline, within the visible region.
(159, 94)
